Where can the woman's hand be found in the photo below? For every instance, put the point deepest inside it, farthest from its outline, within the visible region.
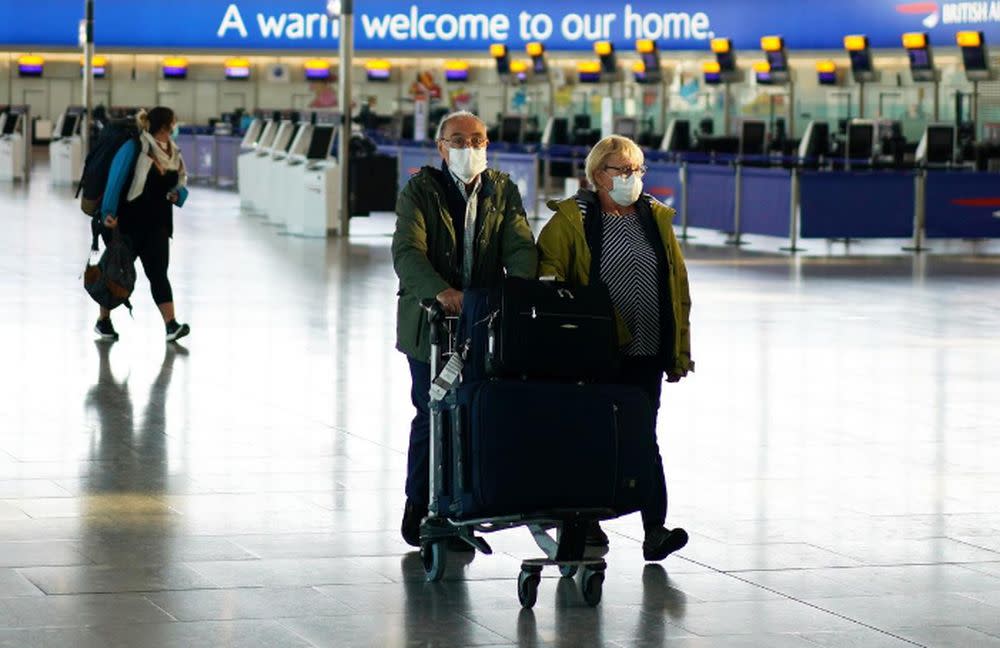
(173, 197)
(110, 221)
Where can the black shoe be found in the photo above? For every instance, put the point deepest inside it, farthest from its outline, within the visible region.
(413, 515)
(106, 330)
(176, 331)
(596, 537)
(661, 542)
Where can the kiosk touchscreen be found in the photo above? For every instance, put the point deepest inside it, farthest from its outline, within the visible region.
(66, 150)
(254, 131)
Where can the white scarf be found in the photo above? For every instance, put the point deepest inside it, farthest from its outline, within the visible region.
(172, 161)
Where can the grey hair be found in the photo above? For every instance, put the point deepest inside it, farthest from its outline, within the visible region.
(458, 113)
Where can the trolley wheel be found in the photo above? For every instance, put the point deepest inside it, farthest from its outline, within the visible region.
(527, 588)
(568, 571)
(434, 557)
(592, 586)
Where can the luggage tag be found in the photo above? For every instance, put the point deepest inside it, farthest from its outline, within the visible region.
(448, 378)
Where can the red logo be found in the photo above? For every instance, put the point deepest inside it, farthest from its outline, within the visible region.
(930, 10)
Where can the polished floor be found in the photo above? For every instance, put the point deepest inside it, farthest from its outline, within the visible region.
(836, 458)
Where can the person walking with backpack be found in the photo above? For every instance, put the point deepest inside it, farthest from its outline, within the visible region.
(147, 178)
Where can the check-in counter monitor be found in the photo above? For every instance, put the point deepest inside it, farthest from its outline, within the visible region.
(677, 137)
(556, 132)
(753, 137)
(860, 140)
(626, 127)
(937, 146)
(512, 129)
(321, 144)
(815, 142)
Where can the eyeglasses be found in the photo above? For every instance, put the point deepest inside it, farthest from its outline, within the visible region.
(461, 142)
(626, 172)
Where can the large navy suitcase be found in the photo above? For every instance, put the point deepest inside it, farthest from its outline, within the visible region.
(532, 446)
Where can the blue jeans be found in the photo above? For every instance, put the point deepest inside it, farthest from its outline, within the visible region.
(418, 457)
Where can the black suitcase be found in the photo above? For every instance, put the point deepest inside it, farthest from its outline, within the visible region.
(532, 447)
(549, 330)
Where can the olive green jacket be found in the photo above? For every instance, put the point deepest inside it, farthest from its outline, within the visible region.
(563, 253)
(424, 250)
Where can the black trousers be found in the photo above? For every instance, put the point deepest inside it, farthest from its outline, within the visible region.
(151, 246)
(646, 373)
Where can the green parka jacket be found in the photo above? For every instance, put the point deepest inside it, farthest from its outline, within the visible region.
(564, 254)
(424, 250)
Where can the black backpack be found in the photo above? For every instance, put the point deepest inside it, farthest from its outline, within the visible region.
(111, 279)
(98, 164)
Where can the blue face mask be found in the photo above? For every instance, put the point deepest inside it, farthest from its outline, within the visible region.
(175, 132)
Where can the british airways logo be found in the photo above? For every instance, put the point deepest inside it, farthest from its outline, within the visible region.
(930, 10)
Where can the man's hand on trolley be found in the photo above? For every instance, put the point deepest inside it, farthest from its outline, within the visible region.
(451, 299)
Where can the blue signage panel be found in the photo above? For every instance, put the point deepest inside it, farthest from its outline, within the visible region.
(237, 25)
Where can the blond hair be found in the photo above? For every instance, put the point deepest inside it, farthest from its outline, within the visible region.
(606, 148)
(142, 119)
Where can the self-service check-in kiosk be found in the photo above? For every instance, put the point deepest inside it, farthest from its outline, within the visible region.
(66, 148)
(248, 151)
(271, 190)
(321, 199)
(15, 143)
(251, 166)
(287, 175)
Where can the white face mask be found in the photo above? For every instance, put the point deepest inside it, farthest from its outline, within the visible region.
(626, 191)
(467, 163)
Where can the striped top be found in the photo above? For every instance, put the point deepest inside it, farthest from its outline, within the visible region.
(630, 270)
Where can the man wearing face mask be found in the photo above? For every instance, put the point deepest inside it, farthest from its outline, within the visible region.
(618, 236)
(459, 226)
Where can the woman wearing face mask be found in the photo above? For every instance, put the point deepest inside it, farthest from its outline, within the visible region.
(618, 236)
(146, 180)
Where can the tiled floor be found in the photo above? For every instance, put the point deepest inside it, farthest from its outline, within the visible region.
(835, 458)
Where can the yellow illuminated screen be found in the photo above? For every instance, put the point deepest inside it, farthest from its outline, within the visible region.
(498, 50)
(826, 66)
(762, 66)
(518, 66)
(603, 48)
(645, 46)
(969, 39)
(721, 45)
(317, 64)
(378, 64)
(588, 67)
(711, 67)
(535, 49)
(639, 67)
(915, 40)
(456, 66)
(772, 43)
(855, 43)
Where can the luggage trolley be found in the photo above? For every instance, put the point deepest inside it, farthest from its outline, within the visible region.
(445, 520)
